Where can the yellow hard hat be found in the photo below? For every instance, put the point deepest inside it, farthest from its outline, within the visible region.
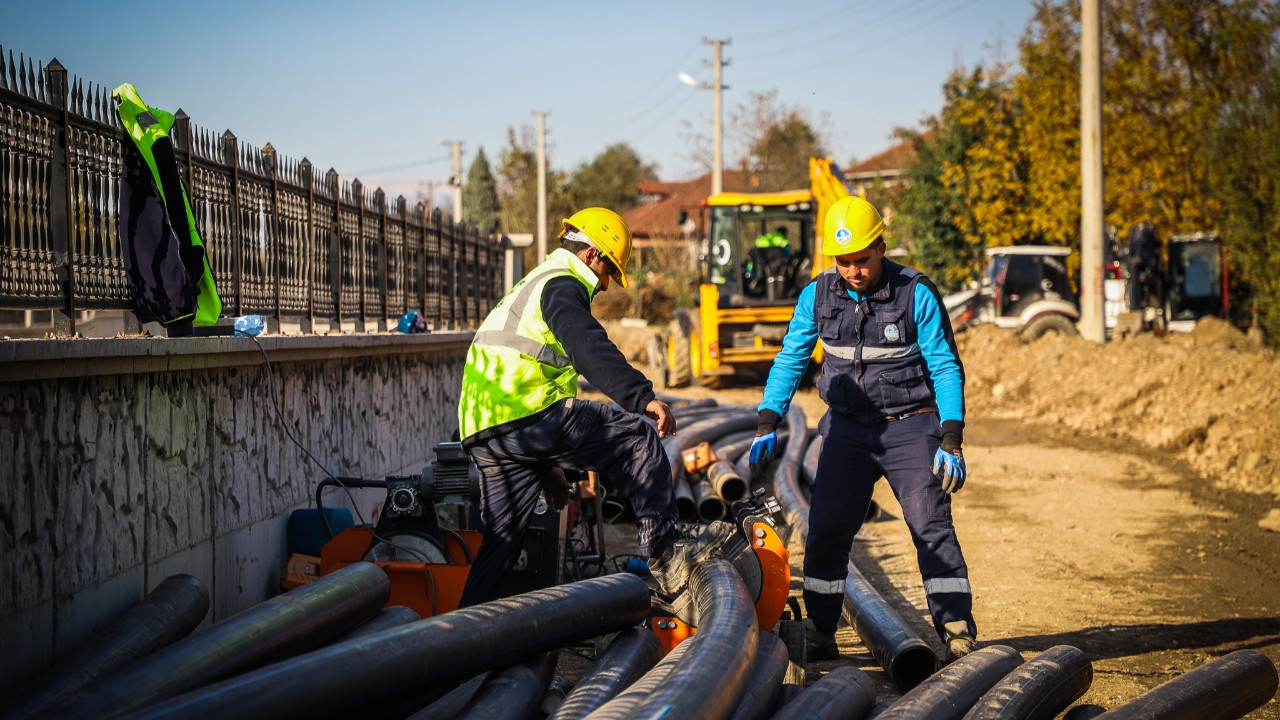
(851, 225)
(608, 232)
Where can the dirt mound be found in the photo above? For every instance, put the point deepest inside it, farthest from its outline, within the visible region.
(1208, 397)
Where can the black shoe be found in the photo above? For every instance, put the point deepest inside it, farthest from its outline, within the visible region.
(819, 645)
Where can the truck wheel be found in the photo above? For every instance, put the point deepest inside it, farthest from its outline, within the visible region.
(681, 340)
(1046, 324)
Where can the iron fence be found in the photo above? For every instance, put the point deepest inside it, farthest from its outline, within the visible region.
(284, 241)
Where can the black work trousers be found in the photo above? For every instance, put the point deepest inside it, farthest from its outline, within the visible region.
(854, 456)
(572, 434)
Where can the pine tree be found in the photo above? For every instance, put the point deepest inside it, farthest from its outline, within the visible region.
(480, 195)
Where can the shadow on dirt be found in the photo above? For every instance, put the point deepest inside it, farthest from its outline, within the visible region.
(1115, 641)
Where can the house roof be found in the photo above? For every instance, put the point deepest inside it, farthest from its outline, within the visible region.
(662, 217)
(896, 158)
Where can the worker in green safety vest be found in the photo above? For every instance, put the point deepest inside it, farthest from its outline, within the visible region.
(521, 422)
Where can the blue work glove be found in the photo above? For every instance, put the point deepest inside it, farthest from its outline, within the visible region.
(766, 442)
(948, 463)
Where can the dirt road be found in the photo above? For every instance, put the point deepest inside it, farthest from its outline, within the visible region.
(1147, 568)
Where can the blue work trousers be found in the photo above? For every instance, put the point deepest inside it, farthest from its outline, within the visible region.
(572, 434)
(854, 456)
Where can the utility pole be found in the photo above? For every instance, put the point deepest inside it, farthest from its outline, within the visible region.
(717, 119)
(542, 185)
(1092, 323)
(456, 180)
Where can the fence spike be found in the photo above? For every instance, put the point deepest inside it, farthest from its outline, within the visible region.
(13, 83)
(33, 80)
(3, 83)
(40, 83)
(22, 75)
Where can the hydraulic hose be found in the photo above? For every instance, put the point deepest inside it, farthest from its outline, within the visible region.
(950, 693)
(709, 679)
(340, 680)
(762, 686)
(297, 621)
(167, 614)
(1224, 689)
(846, 693)
(900, 651)
(629, 656)
(1038, 689)
(514, 692)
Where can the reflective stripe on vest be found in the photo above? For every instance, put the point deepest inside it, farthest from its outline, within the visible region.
(871, 353)
(508, 337)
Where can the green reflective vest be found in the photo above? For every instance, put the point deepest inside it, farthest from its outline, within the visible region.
(175, 238)
(516, 367)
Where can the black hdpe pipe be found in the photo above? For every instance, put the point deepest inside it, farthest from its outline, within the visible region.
(701, 431)
(1038, 689)
(950, 693)
(710, 505)
(900, 651)
(765, 680)
(786, 479)
(514, 692)
(167, 614)
(726, 482)
(846, 693)
(340, 680)
(297, 621)
(708, 681)
(622, 704)
(810, 466)
(394, 616)
(1227, 688)
(449, 706)
(627, 658)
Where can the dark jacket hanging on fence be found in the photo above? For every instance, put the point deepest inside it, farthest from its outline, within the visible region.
(164, 255)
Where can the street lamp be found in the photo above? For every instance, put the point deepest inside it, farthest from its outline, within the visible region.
(717, 133)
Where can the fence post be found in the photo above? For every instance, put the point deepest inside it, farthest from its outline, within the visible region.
(335, 250)
(232, 158)
(273, 167)
(439, 268)
(309, 248)
(384, 268)
(61, 241)
(402, 206)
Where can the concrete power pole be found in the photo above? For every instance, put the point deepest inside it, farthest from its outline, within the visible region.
(542, 185)
(1092, 322)
(456, 180)
(717, 118)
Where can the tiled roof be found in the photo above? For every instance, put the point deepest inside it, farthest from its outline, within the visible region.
(897, 157)
(661, 218)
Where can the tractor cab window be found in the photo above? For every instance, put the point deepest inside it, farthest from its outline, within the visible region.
(759, 253)
(1195, 273)
(722, 253)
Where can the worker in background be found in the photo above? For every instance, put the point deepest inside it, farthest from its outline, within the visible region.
(894, 384)
(520, 420)
(767, 263)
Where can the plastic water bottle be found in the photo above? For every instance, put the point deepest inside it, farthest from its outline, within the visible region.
(250, 325)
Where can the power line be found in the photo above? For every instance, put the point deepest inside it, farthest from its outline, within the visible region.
(806, 27)
(862, 29)
(401, 166)
(666, 78)
(862, 50)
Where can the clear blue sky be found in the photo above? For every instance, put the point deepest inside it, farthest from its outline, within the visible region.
(369, 88)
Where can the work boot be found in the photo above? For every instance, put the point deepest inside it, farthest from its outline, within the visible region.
(676, 554)
(819, 645)
(959, 641)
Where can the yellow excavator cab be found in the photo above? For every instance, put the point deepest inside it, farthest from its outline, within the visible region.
(761, 250)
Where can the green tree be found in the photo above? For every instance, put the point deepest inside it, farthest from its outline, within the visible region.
(768, 139)
(518, 187)
(611, 179)
(480, 195)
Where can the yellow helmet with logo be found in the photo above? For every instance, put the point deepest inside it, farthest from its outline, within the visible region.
(851, 225)
(608, 232)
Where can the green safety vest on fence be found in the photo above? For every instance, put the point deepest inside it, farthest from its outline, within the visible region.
(516, 367)
(155, 297)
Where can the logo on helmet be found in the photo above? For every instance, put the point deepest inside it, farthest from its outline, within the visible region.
(844, 236)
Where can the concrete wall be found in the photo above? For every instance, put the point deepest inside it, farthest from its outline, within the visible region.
(124, 461)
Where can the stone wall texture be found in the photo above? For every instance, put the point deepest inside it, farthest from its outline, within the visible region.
(110, 483)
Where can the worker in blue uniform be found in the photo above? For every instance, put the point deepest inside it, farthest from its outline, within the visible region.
(894, 384)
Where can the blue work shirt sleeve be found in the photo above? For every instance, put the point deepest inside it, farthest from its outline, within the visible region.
(793, 359)
(938, 345)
